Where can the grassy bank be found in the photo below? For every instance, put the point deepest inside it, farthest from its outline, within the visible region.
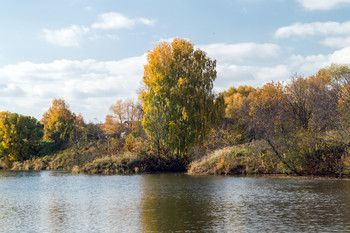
(314, 157)
(258, 158)
(96, 158)
(249, 158)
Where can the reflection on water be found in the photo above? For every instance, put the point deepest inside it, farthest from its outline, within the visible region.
(60, 202)
(177, 203)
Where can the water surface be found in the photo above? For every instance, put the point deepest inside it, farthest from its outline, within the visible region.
(60, 202)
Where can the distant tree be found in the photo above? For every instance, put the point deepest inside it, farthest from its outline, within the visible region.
(298, 97)
(178, 82)
(126, 114)
(312, 101)
(19, 136)
(340, 81)
(236, 100)
(323, 101)
(272, 120)
(79, 120)
(118, 110)
(58, 121)
(111, 126)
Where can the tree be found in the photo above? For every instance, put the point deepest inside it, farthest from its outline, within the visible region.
(111, 126)
(19, 136)
(312, 101)
(323, 102)
(272, 120)
(178, 82)
(292, 119)
(340, 81)
(236, 100)
(298, 99)
(340, 78)
(126, 114)
(58, 121)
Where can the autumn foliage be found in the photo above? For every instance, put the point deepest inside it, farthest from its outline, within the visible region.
(178, 100)
(19, 136)
(301, 126)
(58, 121)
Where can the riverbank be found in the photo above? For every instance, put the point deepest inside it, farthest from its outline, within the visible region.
(244, 159)
(257, 158)
(253, 158)
(128, 163)
(96, 158)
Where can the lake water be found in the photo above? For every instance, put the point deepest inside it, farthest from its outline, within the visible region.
(50, 201)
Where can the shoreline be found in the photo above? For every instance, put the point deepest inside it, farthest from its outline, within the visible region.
(277, 176)
(274, 176)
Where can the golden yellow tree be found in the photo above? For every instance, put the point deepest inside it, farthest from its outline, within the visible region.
(19, 136)
(58, 121)
(178, 101)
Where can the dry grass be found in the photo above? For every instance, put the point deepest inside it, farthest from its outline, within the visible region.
(249, 158)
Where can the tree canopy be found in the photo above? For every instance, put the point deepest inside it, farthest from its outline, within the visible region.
(19, 136)
(126, 114)
(178, 99)
(58, 121)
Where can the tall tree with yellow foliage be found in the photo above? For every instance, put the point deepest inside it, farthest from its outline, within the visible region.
(178, 89)
(58, 121)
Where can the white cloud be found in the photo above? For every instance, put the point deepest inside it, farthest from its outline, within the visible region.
(89, 86)
(66, 37)
(310, 64)
(322, 4)
(314, 29)
(112, 37)
(230, 74)
(341, 56)
(72, 36)
(307, 65)
(235, 75)
(239, 51)
(336, 42)
(114, 20)
(223, 52)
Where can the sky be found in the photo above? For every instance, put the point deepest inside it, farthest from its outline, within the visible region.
(92, 52)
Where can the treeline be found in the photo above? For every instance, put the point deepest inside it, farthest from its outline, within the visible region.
(178, 123)
(304, 123)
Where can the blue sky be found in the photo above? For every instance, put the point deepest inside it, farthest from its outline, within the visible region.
(92, 53)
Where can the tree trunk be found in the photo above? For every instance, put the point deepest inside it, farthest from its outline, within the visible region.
(280, 156)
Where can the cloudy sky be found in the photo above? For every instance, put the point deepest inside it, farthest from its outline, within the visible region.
(92, 52)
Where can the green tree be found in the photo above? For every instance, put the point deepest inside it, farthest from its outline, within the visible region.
(19, 136)
(178, 82)
(58, 121)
